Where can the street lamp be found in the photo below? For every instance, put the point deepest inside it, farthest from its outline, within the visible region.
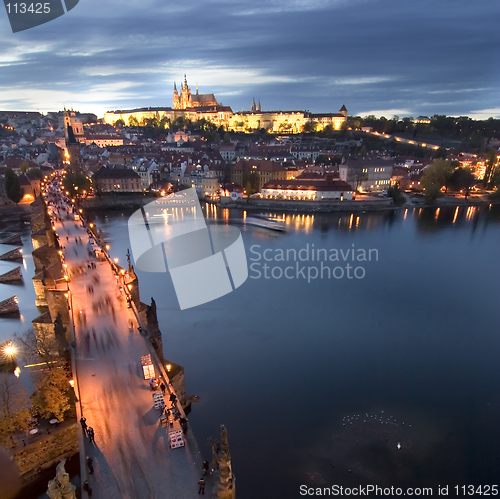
(9, 349)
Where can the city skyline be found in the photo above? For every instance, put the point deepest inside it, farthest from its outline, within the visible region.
(376, 57)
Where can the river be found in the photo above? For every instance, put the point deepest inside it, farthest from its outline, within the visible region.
(390, 377)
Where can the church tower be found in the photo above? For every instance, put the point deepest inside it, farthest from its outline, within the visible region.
(185, 95)
(253, 108)
(343, 111)
(176, 101)
(258, 106)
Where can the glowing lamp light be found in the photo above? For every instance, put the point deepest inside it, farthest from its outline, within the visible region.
(91, 225)
(169, 367)
(72, 383)
(9, 349)
(116, 260)
(60, 252)
(107, 247)
(66, 277)
(129, 286)
(66, 295)
(17, 371)
(80, 210)
(122, 271)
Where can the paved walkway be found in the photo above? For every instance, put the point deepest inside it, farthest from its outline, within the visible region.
(131, 455)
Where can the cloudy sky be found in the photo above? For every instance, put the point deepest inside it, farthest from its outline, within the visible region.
(384, 57)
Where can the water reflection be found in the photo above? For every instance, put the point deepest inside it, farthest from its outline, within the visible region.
(427, 219)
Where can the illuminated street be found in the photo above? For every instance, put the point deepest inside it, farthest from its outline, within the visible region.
(131, 456)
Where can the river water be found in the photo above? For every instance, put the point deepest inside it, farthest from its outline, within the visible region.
(389, 378)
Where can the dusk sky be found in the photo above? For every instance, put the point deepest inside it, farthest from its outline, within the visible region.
(383, 57)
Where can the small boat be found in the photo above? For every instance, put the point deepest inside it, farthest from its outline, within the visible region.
(265, 223)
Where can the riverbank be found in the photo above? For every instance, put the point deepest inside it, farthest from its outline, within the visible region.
(116, 201)
(365, 204)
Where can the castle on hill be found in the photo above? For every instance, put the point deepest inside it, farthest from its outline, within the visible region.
(205, 106)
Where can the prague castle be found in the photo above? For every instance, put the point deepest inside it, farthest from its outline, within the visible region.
(205, 106)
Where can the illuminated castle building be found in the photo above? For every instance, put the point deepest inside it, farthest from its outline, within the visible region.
(205, 106)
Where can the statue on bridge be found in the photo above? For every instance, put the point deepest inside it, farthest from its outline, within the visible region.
(60, 487)
(221, 463)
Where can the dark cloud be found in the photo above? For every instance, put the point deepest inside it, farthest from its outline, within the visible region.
(420, 57)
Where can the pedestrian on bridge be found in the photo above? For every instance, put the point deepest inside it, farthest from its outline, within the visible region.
(90, 465)
(83, 422)
(90, 433)
(201, 485)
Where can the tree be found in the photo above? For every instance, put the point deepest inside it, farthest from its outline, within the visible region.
(227, 138)
(490, 168)
(461, 179)
(395, 193)
(310, 126)
(133, 121)
(36, 172)
(359, 176)
(24, 167)
(436, 176)
(14, 412)
(250, 180)
(51, 397)
(13, 188)
(37, 348)
(119, 123)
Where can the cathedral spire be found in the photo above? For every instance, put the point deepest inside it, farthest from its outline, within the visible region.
(175, 88)
(196, 88)
(253, 105)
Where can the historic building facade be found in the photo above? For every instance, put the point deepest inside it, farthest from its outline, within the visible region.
(186, 100)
